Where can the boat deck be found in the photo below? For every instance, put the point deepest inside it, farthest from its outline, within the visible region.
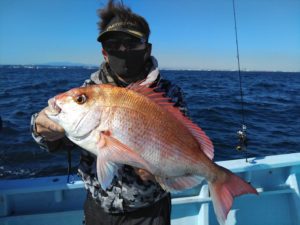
(51, 200)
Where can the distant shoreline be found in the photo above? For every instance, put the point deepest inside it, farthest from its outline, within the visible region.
(82, 66)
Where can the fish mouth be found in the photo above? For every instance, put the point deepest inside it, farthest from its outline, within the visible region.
(53, 108)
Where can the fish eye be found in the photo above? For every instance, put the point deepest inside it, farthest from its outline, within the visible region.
(80, 99)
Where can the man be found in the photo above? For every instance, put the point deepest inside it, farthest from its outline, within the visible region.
(134, 197)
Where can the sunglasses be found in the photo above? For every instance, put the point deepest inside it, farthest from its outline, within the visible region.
(128, 44)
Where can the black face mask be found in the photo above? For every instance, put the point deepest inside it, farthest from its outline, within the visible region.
(127, 64)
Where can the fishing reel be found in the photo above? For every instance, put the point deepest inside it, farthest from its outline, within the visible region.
(243, 141)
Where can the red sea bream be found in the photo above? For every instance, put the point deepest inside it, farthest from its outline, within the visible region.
(141, 128)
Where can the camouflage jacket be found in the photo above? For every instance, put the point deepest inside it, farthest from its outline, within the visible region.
(127, 191)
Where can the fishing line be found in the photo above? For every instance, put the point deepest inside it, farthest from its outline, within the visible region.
(242, 145)
(69, 147)
(70, 179)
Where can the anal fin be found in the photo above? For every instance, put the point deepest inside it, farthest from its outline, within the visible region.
(176, 184)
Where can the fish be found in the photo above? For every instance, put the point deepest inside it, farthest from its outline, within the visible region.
(140, 127)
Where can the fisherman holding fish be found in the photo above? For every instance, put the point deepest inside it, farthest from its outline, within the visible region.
(138, 144)
(133, 196)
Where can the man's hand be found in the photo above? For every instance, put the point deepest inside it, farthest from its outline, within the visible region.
(144, 174)
(45, 127)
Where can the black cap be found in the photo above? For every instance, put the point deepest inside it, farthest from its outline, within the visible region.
(117, 25)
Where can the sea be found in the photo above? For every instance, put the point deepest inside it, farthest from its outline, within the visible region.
(270, 110)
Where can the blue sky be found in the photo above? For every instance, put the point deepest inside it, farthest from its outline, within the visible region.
(186, 34)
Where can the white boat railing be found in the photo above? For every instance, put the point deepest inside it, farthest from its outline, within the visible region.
(51, 200)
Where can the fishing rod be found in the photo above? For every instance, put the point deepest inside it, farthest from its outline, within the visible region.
(242, 133)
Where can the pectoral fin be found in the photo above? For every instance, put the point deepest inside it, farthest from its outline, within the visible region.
(106, 171)
(111, 151)
(121, 153)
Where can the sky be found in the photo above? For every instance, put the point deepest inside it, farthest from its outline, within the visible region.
(185, 34)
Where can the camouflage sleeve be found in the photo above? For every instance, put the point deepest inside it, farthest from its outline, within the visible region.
(175, 93)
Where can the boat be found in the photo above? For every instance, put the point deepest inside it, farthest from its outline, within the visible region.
(54, 201)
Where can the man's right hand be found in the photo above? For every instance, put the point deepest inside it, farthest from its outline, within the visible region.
(45, 127)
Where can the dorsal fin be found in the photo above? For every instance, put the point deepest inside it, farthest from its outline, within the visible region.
(165, 102)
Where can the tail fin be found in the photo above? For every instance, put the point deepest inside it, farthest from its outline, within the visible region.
(224, 190)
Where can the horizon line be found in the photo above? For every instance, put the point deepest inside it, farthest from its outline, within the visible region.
(67, 64)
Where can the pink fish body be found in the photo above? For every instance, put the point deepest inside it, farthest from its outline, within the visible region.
(141, 128)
